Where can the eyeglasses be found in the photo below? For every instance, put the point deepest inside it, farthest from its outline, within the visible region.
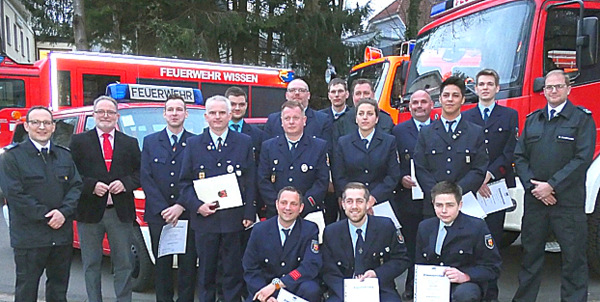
(37, 123)
(557, 87)
(299, 90)
(105, 112)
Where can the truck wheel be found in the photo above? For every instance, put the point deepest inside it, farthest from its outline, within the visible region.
(508, 237)
(143, 268)
(593, 245)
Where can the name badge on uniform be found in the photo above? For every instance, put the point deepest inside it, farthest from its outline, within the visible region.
(468, 159)
(304, 168)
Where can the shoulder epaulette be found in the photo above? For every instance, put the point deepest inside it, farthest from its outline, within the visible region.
(587, 111)
(11, 146)
(534, 112)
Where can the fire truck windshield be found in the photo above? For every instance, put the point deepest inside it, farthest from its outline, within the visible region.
(492, 38)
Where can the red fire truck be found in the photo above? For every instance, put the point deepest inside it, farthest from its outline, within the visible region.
(75, 79)
(522, 40)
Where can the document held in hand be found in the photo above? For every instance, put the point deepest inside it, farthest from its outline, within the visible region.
(286, 296)
(173, 239)
(223, 189)
(499, 200)
(360, 291)
(431, 285)
(384, 209)
(417, 192)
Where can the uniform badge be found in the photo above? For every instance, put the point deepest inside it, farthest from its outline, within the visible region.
(400, 236)
(407, 156)
(468, 159)
(229, 169)
(304, 168)
(489, 241)
(314, 246)
(201, 175)
(273, 178)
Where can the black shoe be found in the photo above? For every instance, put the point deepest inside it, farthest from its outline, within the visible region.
(407, 295)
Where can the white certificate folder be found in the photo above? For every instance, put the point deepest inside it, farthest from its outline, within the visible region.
(223, 188)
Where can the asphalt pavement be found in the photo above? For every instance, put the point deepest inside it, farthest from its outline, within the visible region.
(550, 288)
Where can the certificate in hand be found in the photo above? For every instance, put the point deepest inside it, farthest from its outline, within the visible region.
(285, 296)
(360, 291)
(223, 189)
(173, 239)
(499, 200)
(431, 285)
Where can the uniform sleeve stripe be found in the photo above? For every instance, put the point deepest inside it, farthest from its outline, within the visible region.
(311, 200)
(295, 275)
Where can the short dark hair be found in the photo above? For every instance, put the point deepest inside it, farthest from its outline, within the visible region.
(358, 186)
(362, 81)
(456, 81)
(175, 97)
(292, 104)
(236, 91)
(446, 187)
(561, 72)
(290, 189)
(337, 81)
(369, 101)
(488, 72)
(38, 108)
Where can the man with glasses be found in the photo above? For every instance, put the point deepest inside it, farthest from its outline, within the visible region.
(551, 158)
(41, 185)
(159, 174)
(109, 164)
(293, 159)
(317, 123)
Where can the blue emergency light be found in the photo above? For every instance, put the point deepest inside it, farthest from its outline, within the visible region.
(151, 93)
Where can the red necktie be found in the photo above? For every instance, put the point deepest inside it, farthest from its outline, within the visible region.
(108, 150)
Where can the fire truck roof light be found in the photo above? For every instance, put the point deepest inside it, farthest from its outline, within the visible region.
(151, 93)
(438, 8)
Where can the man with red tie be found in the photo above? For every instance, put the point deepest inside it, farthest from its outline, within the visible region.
(109, 164)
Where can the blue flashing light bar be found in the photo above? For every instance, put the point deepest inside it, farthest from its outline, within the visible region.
(440, 8)
(151, 93)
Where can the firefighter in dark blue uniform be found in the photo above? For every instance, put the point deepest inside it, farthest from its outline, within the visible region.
(368, 156)
(293, 159)
(462, 243)
(317, 123)
(409, 211)
(451, 148)
(162, 155)
(499, 125)
(552, 156)
(362, 246)
(215, 152)
(283, 252)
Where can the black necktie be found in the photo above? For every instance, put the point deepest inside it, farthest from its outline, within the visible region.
(420, 127)
(236, 127)
(44, 153)
(359, 267)
(366, 141)
(552, 113)
(293, 147)
(219, 144)
(486, 114)
(174, 137)
(450, 123)
(286, 232)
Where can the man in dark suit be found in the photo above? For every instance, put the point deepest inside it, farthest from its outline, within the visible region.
(317, 123)
(109, 164)
(283, 252)
(361, 89)
(500, 130)
(361, 247)
(451, 148)
(338, 95)
(159, 174)
(216, 152)
(293, 159)
(409, 211)
(461, 242)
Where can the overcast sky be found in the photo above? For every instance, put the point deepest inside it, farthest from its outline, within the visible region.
(376, 5)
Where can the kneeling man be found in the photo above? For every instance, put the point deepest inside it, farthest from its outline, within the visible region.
(283, 252)
(462, 243)
(362, 246)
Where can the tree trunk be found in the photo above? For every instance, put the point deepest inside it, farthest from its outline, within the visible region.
(79, 34)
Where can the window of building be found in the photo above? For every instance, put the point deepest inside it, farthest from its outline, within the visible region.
(8, 39)
(22, 45)
(28, 50)
(16, 41)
